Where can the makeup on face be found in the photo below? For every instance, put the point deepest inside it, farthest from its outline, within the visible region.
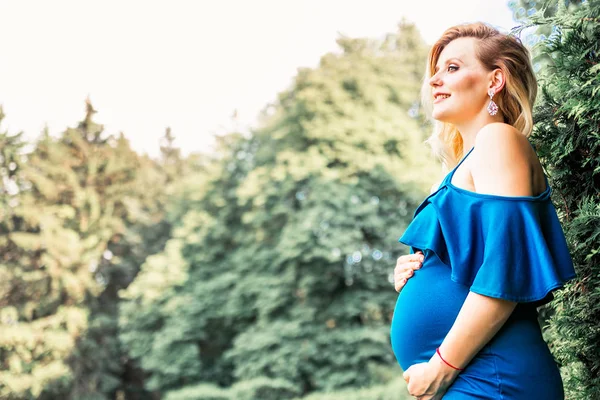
(458, 79)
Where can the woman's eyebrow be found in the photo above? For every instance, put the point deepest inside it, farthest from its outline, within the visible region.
(447, 61)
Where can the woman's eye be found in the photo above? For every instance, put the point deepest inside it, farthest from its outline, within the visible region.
(452, 68)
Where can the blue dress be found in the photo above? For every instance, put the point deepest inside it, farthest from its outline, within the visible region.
(505, 247)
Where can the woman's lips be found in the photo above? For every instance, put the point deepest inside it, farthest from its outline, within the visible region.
(438, 99)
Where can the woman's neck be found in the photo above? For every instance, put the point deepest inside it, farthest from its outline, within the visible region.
(469, 129)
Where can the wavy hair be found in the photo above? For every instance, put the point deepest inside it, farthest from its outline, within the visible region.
(515, 101)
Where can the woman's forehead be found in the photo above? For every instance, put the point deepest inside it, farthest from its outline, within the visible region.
(461, 48)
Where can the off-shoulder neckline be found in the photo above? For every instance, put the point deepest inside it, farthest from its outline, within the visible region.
(448, 182)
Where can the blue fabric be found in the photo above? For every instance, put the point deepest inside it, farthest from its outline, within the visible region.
(516, 364)
(499, 246)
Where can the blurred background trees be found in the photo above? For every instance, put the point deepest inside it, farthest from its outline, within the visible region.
(259, 271)
(74, 209)
(276, 279)
(263, 270)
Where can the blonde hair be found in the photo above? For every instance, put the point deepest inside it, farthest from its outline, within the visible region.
(515, 101)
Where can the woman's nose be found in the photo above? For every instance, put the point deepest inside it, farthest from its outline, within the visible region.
(434, 80)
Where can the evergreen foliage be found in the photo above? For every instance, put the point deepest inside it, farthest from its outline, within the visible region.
(567, 136)
(74, 209)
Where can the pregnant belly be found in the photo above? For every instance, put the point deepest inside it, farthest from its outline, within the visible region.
(425, 311)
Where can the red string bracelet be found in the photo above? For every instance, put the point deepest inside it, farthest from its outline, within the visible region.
(446, 362)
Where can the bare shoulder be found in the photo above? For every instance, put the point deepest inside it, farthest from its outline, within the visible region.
(501, 162)
(499, 132)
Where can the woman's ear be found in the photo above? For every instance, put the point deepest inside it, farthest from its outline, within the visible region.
(498, 80)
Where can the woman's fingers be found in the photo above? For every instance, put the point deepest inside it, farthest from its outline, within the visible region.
(410, 258)
(406, 274)
(408, 266)
(416, 265)
(400, 279)
(405, 267)
(399, 284)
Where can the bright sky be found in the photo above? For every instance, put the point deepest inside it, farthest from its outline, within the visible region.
(189, 64)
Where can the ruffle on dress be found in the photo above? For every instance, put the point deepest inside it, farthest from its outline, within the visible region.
(505, 247)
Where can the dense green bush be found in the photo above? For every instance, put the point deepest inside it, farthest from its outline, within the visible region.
(567, 136)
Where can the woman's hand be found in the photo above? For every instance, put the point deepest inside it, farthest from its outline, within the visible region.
(405, 267)
(430, 380)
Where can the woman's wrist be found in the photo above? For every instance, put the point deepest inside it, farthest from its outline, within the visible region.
(437, 351)
(442, 369)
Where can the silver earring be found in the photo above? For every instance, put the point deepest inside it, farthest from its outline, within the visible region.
(492, 108)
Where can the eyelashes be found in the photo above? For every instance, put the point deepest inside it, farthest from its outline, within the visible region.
(451, 68)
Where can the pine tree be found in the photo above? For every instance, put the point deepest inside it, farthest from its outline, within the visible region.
(138, 190)
(42, 314)
(111, 172)
(73, 237)
(29, 360)
(149, 225)
(171, 159)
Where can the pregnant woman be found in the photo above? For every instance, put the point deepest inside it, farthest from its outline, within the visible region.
(486, 245)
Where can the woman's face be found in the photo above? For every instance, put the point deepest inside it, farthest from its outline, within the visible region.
(459, 84)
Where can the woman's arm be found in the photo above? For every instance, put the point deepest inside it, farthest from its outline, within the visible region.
(500, 166)
(479, 319)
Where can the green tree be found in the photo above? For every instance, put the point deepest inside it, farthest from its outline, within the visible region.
(161, 185)
(30, 361)
(142, 211)
(111, 171)
(526, 10)
(568, 141)
(78, 208)
(171, 160)
(531, 14)
(276, 281)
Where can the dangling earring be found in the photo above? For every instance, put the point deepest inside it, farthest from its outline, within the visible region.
(492, 108)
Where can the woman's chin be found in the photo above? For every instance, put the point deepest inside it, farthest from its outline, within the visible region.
(439, 115)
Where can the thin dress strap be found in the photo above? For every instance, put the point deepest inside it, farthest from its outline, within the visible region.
(451, 173)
